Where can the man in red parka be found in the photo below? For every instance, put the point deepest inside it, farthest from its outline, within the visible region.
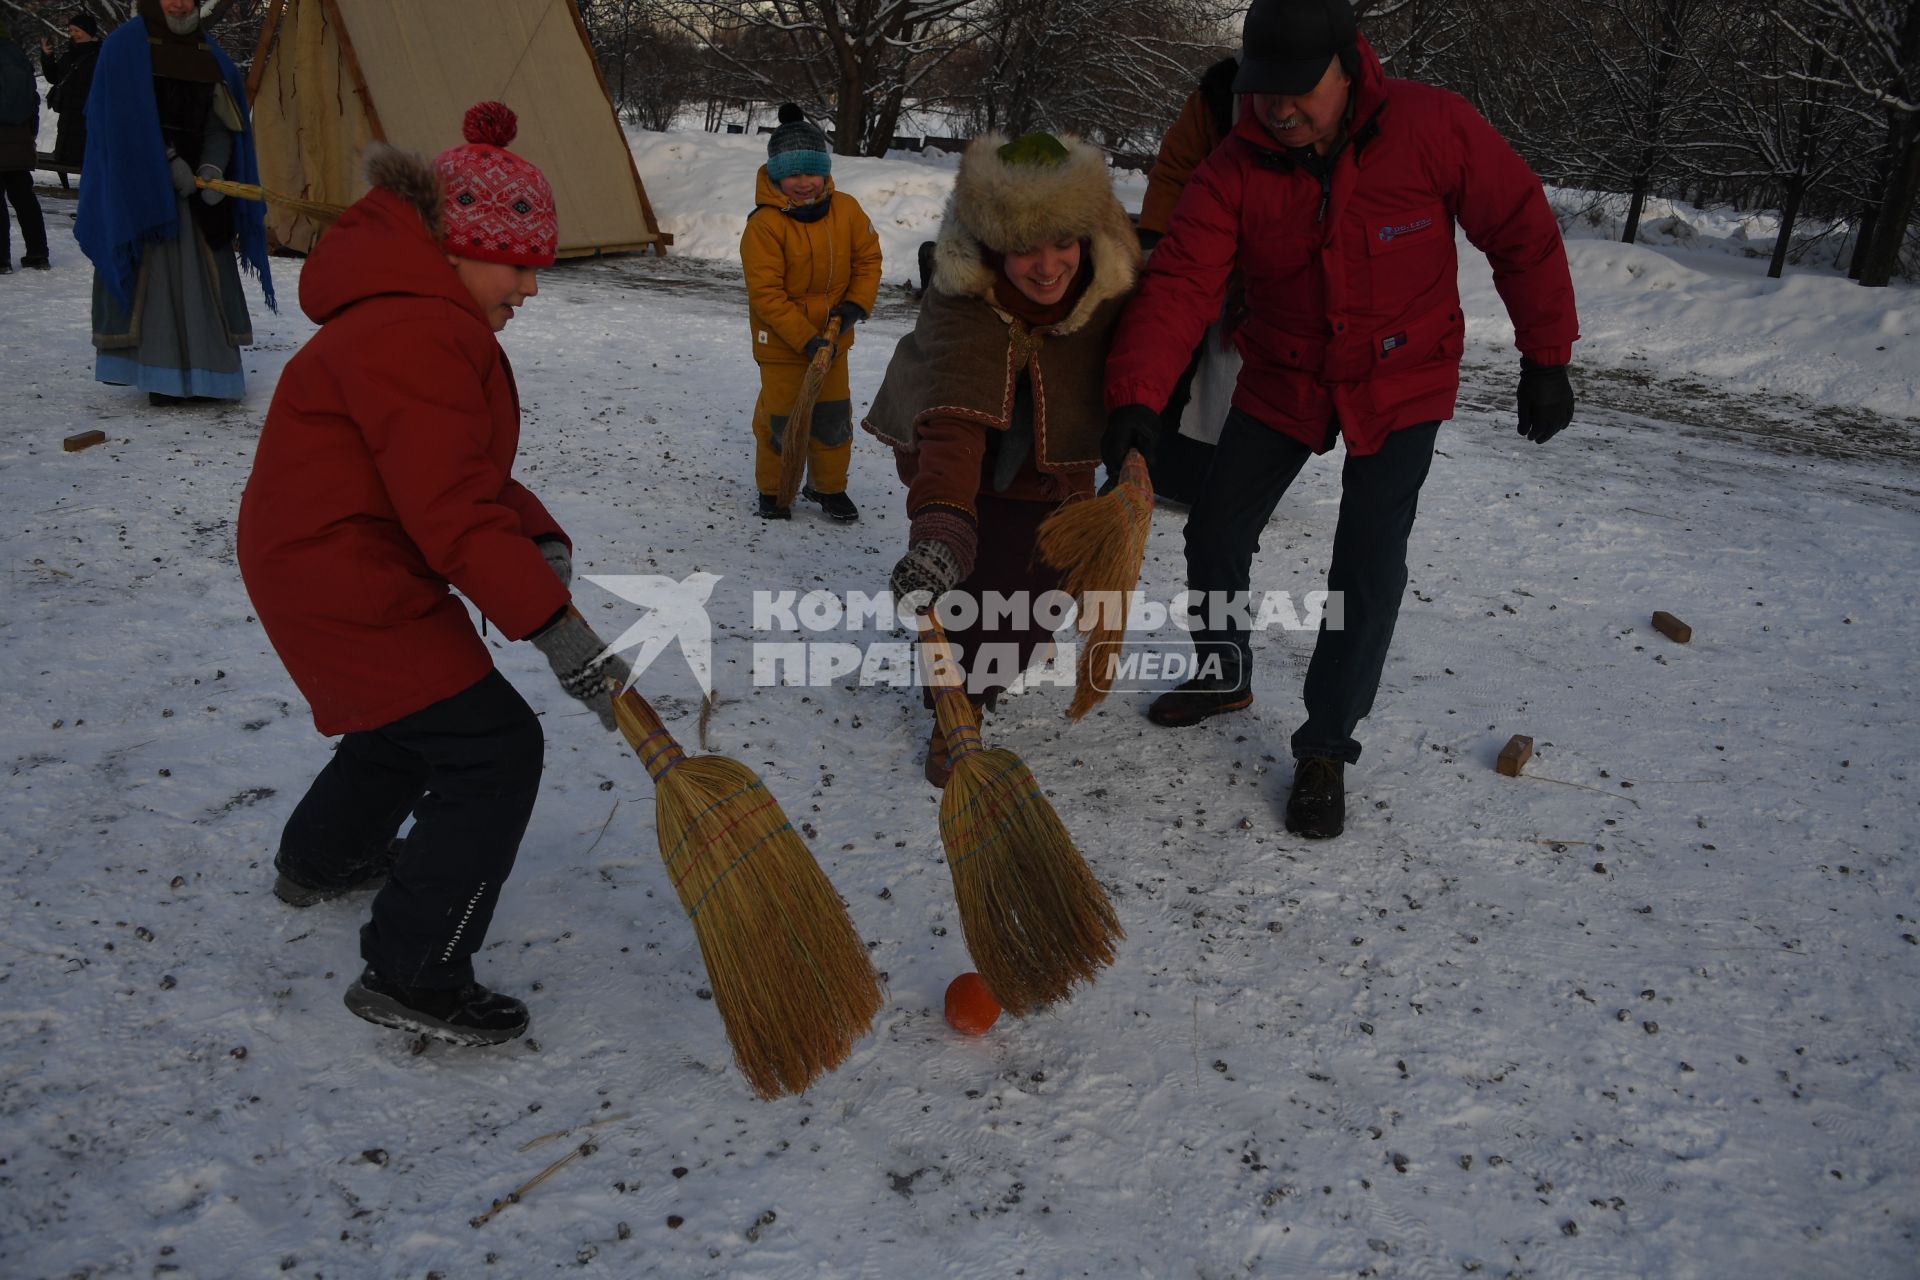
(382, 484)
(1336, 195)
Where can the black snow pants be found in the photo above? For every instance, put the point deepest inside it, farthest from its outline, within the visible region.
(468, 769)
(1379, 495)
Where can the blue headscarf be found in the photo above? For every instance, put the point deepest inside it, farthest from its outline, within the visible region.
(126, 193)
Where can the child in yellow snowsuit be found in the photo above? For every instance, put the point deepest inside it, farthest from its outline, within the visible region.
(810, 254)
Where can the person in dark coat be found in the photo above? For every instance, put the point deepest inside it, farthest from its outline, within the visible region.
(167, 108)
(1336, 196)
(19, 127)
(71, 75)
(383, 484)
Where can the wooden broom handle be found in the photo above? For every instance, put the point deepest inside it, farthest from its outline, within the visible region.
(952, 707)
(644, 732)
(640, 724)
(824, 357)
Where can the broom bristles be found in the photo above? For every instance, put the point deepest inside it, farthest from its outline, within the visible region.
(1037, 922)
(1098, 546)
(793, 982)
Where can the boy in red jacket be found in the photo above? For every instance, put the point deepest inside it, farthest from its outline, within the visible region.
(383, 481)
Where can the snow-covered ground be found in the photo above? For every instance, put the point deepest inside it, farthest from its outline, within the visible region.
(1652, 1009)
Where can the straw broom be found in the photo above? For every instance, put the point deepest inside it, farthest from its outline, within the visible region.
(315, 209)
(793, 445)
(1097, 545)
(792, 979)
(1036, 920)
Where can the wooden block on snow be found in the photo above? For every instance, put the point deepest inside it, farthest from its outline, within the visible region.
(1671, 627)
(1514, 756)
(85, 440)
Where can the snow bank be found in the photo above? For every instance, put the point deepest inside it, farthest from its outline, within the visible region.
(1695, 304)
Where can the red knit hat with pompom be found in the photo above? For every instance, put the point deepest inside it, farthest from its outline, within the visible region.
(498, 206)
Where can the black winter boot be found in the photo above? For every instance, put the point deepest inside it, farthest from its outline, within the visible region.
(770, 508)
(370, 875)
(469, 1015)
(838, 506)
(1200, 697)
(1317, 808)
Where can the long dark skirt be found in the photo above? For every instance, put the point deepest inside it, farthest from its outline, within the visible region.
(183, 335)
(993, 651)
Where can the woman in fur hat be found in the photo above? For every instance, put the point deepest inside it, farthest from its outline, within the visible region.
(993, 403)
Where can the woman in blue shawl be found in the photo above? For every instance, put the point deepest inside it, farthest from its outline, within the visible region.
(168, 105)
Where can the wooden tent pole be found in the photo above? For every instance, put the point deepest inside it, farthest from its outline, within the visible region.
(352, 60)
(268, 25)
(661, 238)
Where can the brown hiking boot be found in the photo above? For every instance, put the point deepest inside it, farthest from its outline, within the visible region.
(1317, 807)
(1199, 698)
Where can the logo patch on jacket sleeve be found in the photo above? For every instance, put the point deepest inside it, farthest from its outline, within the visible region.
(761, 337)
(1387, 344)
(1388, 234)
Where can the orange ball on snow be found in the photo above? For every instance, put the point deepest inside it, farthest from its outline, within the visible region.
(971, 1008)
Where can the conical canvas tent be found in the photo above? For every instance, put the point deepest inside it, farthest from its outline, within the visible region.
(330, 76)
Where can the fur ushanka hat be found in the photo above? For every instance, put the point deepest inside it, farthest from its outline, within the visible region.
(1013, 197)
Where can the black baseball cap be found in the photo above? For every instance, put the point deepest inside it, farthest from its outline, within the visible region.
(1286, 45)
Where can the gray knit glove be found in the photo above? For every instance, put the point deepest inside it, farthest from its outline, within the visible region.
(930, 566)
(558, 558)
(571, 649)
(181, 175)
(211, 172)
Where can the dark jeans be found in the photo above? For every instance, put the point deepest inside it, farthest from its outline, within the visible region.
(18, 185)
(468, 769)
(1379, 496)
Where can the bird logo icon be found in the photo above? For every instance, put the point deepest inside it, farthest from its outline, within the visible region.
(672, 612)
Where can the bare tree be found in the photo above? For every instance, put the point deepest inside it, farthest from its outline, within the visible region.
(1414, 38)
(652, 68)
(1869, 51)
(854, 62)
(1779, 129)
(1113, 71)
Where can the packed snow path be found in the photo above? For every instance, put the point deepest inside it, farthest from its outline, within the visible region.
(1650, 1010)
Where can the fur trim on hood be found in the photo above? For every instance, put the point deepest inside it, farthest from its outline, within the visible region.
(410, 176)
(1017, 207)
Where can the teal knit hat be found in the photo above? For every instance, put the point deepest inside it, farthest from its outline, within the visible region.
(797, 146)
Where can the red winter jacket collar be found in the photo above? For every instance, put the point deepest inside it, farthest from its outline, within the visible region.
(1353, 305)
(383, 478)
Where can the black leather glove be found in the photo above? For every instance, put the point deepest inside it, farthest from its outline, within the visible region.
(1546, 400)
(930, 567)
(571, 649)
(1131, 426)
(817, 343)
(850, 313)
